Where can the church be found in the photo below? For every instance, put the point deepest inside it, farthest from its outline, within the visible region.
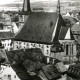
(46, 31)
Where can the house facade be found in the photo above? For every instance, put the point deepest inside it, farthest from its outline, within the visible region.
(44, 30)
(5, 37)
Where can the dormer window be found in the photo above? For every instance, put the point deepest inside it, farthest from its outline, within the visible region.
(21, 18)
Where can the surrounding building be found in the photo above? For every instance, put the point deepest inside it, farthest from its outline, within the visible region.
(74, 72)
(76, 32)
(5, 37)
(7, 73)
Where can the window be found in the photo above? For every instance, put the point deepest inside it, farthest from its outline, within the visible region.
(24, 43)
(42, 46)
(27, 44)
(39, 45)
(9, 76)
(17, 47)
(67, 49)
(72, 49)
(47, 46)
(51, 24)
(14, 76)
(47, 52)
(8, 44)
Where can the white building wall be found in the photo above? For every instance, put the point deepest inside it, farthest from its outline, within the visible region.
(7, 73)
(6, 44)
(25, 45)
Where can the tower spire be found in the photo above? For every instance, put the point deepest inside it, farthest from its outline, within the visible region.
(26, 6)
(58, 7)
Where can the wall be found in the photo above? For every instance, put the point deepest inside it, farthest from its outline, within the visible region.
(25, 45)
(69, 57)
(7, 44)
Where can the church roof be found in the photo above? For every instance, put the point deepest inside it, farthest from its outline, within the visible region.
(40, 28)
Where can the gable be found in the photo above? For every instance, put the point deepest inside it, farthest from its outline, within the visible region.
(65, 34)
(68, 35)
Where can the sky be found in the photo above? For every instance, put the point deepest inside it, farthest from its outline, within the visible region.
(12, 1)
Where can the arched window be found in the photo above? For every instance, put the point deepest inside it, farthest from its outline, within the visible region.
(67, 49)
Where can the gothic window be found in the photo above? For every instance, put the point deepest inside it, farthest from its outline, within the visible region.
(72, 49)
(67, 49)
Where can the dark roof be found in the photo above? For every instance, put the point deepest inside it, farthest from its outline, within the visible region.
(39, 27)
(21, 72)
(74, 70)
(57, 47)
(6, 35)
(51, 72)
(75, 27)
(63, 32)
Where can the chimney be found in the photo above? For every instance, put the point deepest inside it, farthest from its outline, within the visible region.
(26, 6)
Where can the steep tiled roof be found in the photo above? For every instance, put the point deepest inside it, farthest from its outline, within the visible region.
(39, 28)
(74, 70)
(51, 72)
(63, 32)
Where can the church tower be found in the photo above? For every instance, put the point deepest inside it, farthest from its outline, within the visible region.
(26, 6)
(26, 10)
